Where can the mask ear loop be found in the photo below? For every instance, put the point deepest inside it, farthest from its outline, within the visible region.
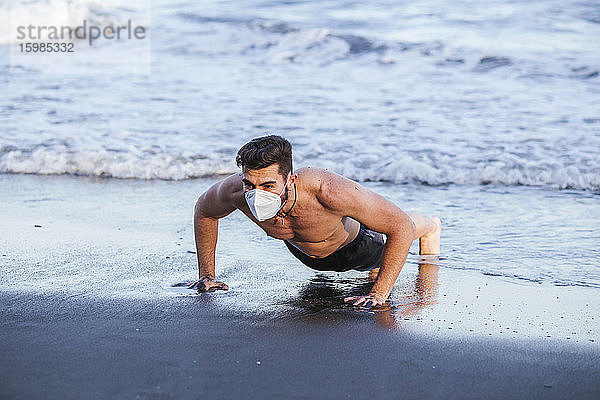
(283, 190)
(284, 186)
(284, 203)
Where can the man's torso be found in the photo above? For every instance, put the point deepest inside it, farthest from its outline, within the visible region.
(309, 226)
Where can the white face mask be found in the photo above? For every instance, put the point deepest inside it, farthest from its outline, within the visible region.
(264, 204)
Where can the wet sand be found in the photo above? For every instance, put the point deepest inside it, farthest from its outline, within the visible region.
(61, 347)
(90, 308)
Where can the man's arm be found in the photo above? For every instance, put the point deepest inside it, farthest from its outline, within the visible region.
(348, 198)
(212, 205)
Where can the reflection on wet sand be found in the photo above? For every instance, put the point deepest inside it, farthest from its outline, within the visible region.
(322, 298)
(423, 295)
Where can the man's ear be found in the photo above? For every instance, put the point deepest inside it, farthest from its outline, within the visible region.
(293, 178)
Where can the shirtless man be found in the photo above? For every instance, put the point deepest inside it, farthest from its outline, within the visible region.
(328, 222)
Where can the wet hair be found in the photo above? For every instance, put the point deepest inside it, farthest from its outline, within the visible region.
(264, 151)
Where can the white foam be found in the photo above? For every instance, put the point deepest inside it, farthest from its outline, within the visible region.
(404, 168)
(108, 164)
(373, 107)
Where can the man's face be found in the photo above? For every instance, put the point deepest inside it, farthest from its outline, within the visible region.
(268, 179)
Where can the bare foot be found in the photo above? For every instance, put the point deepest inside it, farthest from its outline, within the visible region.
(429, 244)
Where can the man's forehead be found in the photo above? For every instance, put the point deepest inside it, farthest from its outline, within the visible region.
(263, 175)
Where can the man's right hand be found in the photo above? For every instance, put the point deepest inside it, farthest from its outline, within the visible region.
(207, 284)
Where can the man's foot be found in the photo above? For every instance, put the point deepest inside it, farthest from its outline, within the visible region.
(429, 244)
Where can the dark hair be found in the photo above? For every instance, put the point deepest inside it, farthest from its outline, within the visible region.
(264, 151)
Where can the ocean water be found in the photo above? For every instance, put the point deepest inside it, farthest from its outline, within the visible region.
(486, 113)
(436, 92)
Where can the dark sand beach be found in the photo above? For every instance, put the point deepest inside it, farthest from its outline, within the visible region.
(90, 308)
(57, 347)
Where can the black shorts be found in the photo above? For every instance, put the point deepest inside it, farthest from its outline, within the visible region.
(362, 254)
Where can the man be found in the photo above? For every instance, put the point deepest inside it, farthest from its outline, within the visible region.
(328, 222)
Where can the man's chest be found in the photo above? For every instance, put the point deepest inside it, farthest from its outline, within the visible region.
(309, 223)
(314, 227)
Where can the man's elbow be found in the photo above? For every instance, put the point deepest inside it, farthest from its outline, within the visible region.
(198, 209)
(404, 227)
(203, 210)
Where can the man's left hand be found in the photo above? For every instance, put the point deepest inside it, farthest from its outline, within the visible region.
(372, 298)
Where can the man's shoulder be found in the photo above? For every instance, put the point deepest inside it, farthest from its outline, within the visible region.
(314, 174)
(312, 177)
(321, 181)
(230, 186)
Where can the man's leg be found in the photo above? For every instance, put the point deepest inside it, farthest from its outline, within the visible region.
(428, 232)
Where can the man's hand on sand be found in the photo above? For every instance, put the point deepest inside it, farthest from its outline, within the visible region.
(372, 298)
(207, 284)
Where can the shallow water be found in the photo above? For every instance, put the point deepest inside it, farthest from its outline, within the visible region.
(136, 237)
